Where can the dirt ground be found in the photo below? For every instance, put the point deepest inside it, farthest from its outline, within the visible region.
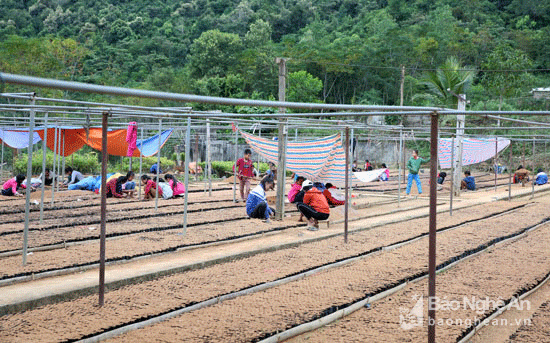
(538, 330)
(475, 278)
(274, 309)
(250, 317)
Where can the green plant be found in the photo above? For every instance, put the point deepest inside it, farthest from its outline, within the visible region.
(86, 163)
(147, 162)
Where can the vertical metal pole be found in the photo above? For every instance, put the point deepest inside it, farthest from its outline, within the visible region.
(533, 188)
(279, 213)
(495, 161)
(523, 159)
(209, 157)
(399, 164)
(103, 210)
(29, 176)
(61, 172)
(460, 124)
(347, 188)
(158, 168)
(187, 151)
(56, 180)
(510, 174)
(63, 154)
(140, 163)
(235, 165)
(452, 175)
(433, 228)
(43, 168)
(533, 157)
(2, 162)
(534, 171)
(352, 158)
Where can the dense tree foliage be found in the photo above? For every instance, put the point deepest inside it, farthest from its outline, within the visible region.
(341, 51)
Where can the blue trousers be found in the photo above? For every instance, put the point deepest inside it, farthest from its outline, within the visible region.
(410, 181)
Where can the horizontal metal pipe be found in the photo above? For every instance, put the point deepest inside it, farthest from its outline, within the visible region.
(120, 91)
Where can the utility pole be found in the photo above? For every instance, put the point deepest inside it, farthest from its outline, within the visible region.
(279, 213)
(402, 87)
(457, 162)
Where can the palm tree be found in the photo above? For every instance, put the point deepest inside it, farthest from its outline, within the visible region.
(441, 85)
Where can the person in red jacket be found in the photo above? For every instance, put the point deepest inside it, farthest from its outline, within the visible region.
(245, 171)
(331, 195)
(315, 206)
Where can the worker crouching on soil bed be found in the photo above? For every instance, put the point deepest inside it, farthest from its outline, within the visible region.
(114, 187)
(177, 187)
(256, 203)
(9, 188)
(468, 182)
(315, 206)
(150, 188)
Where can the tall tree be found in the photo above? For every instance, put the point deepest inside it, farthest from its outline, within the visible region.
(451, 78)
(214, 53)
(505, 73)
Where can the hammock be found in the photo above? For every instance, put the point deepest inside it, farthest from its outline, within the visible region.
(319, 160)
(474, 150)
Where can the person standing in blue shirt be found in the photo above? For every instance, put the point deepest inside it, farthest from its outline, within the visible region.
(468, 182)
(413, 165)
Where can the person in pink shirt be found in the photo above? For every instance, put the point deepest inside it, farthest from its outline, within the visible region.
(10, 187)
(295, 188)
(245, 171)
(385, 176)
(177, 187)
(150, 188)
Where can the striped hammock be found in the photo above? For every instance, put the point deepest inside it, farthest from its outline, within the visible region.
(319, 160)
(474, 150)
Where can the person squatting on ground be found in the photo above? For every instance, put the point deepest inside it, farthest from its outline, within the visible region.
(130, 186)
(114, 187)
(440, 179)
(73, 176)
(150, 188)
(10, 187)
(333, 198)
(315, 206)
(154, 167)
(295, 189)
(245, 171)
(413, 165)
(178, 188)
(368, 166)
(521, 175)
(541, 177)
(49, 177)
(468, 182)
(271, 170)
(256, 203)
(385, 176)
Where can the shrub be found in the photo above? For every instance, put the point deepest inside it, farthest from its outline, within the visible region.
(166, 164)
(85, 163)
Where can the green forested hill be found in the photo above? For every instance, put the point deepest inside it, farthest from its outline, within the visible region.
(342, 51)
